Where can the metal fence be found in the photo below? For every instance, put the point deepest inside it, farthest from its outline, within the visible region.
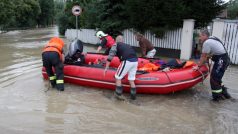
(227, 30)
(171, 39)
(85, 35)
(230, 38)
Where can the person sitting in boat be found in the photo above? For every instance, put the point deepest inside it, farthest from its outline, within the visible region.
(99, 62)
(75, 53)
(129, 63)
(147, 48)
(173, 64)
(106, 41)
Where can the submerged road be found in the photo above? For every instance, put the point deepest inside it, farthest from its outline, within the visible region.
(25, 107)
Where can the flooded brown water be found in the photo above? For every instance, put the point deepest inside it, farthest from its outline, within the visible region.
(25, 107)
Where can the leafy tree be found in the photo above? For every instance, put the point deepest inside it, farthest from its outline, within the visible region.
(19, 13)
(112, 16)
(233, 9)
(26, 13)
(89, 17)
(62, 22)
(6, 13)
(157, 16)
(66, 19)
(46, 17)
(58, 7)
(203, 11)
(109, 16)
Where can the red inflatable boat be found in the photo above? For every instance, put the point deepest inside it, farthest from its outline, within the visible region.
(152, 82)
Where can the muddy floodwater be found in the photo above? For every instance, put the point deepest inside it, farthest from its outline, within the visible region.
(25, 107)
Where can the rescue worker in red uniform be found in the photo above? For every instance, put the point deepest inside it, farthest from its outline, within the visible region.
(106, 41)
(53, 56)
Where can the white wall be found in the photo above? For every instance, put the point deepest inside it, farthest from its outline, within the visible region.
(187, 39)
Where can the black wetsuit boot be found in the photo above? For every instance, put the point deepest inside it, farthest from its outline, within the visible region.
(217, 96)
(225, 93)
(118, 90)
(53, 83)
(133, 93)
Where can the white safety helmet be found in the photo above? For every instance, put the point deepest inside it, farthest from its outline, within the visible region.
(100, 34)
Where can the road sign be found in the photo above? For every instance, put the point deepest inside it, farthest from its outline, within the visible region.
(76, 10)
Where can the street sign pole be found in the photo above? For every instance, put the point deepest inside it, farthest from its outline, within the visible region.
(76, 10)
(77, 27)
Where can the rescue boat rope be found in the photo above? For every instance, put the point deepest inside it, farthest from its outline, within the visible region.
(203, 77)
(167, 76)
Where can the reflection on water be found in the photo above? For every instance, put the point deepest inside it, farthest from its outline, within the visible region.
(27, 106)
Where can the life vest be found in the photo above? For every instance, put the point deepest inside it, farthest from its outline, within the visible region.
(189, 64)
(149, 67)
(55, 45)
(110, 41)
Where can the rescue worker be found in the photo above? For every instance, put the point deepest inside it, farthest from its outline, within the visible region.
(106, 41)
(53, 56)
(214, 46)
(129, 63)
(147, 48)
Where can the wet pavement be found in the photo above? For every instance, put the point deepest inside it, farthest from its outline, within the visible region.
(26, 107)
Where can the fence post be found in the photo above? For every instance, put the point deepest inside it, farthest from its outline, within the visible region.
(187, 39)
(217, 28)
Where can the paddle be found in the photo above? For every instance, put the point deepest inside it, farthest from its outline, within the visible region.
(150, 58)
(95, 53)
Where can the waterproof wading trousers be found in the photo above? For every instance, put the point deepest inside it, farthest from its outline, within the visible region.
(218, 70)
(52, 59)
